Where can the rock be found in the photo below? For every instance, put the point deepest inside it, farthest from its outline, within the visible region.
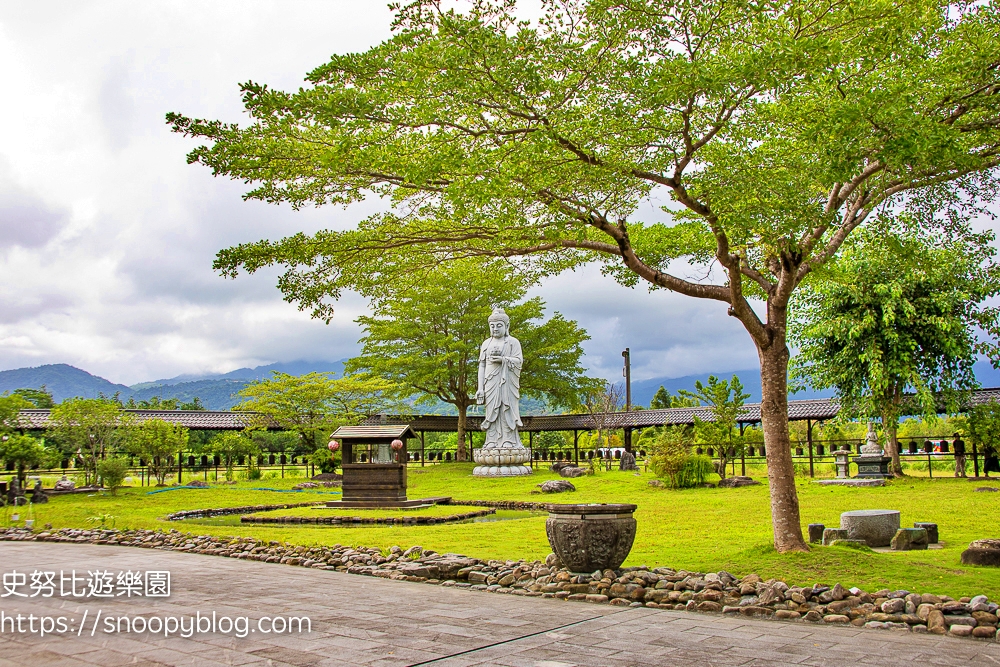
(923, 610)
(893, 606)
(572, 471)
(931, 528)
(960, 620)
(909, 539)
(737, 481)
(836, 618)
(64, 484)
(38, 495)
(306, 485)
(935, 622)
(201, 484)
(875, 527)
(756, 611)
(657, 484)
(984, 632)
(979, 599)
(816, 533)
(830, 535)
(708, 605)
(415, 551)
(961, 630)
(627, 462)
(556, 486)
(988, 489)
(984, 552)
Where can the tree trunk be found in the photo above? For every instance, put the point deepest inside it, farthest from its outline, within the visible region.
(463, 453)
(891, 426)
(774, 420)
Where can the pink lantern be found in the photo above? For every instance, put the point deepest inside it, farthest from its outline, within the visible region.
(397, 445)
(333, 446)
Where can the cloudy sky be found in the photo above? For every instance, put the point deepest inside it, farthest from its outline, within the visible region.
(107, 236)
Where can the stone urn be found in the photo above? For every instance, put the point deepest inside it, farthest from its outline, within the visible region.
(586, 538)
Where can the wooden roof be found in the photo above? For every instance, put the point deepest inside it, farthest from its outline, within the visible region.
(374, 432)
(198, 420)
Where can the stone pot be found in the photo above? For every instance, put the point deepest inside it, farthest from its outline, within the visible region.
(586, 538)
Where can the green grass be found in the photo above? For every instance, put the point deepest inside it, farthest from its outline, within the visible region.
(696, 529)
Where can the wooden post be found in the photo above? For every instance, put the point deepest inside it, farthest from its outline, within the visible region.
(422, 448)
(743, 452)
(576, 447)
(809, 441)
(531, 448)
(180, 466)
(975, 461)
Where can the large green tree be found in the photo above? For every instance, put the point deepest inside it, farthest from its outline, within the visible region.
(900, 311)
(775, 129)
(314, 404)
(88, 427)
(426, 333)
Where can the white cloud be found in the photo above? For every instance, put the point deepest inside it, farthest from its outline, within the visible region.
(107, 236)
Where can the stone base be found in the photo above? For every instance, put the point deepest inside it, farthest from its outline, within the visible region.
(872, 467)
(387, 504)
(501, 461)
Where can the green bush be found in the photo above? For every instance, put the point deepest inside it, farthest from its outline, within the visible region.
(695, 472)
(112, 473)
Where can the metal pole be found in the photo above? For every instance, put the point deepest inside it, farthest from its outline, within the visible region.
(809, 440)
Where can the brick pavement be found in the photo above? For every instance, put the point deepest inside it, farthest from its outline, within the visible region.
(368, 621)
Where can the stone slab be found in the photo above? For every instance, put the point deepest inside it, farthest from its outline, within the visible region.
(360, 620)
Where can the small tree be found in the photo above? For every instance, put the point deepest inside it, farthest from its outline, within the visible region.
(724, 399)
(24, 452)
(984, 426)
(231, 446)
(88, 426)
(662, 399)
(112, 472)
(601, 404)
(156, 441)
(314, 404)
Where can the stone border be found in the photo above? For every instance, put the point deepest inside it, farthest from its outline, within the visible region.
(358, 520)
(501, 504)
(225, 511)
(660, 588)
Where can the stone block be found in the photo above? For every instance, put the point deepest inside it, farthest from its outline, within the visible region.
(909, 539)
(875, 527)
(931, 528)
(982, 552)
(830, 535)
(816, 532)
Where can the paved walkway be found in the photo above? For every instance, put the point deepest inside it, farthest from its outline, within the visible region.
(368, 621)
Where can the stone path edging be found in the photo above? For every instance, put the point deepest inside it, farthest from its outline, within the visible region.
(662, 588)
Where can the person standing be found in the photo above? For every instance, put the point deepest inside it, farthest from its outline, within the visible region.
(959, 446)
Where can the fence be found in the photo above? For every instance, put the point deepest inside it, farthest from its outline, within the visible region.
(288, 463)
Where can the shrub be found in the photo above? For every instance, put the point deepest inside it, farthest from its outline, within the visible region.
(112, 473)
(695, 472)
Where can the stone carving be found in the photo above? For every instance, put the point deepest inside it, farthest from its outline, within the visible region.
(871, 446)
(499, 391)
(38, 495)
(586, 538)
(872, 463)
(627, 462)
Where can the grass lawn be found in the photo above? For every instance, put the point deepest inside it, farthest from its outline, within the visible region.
(697, 529)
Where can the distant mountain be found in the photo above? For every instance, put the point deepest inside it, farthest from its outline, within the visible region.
(643, 391)
(257, 373)
(63, 380)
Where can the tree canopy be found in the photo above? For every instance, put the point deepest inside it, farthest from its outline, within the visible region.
(775, 129)
(426, 333)
(900, 311)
